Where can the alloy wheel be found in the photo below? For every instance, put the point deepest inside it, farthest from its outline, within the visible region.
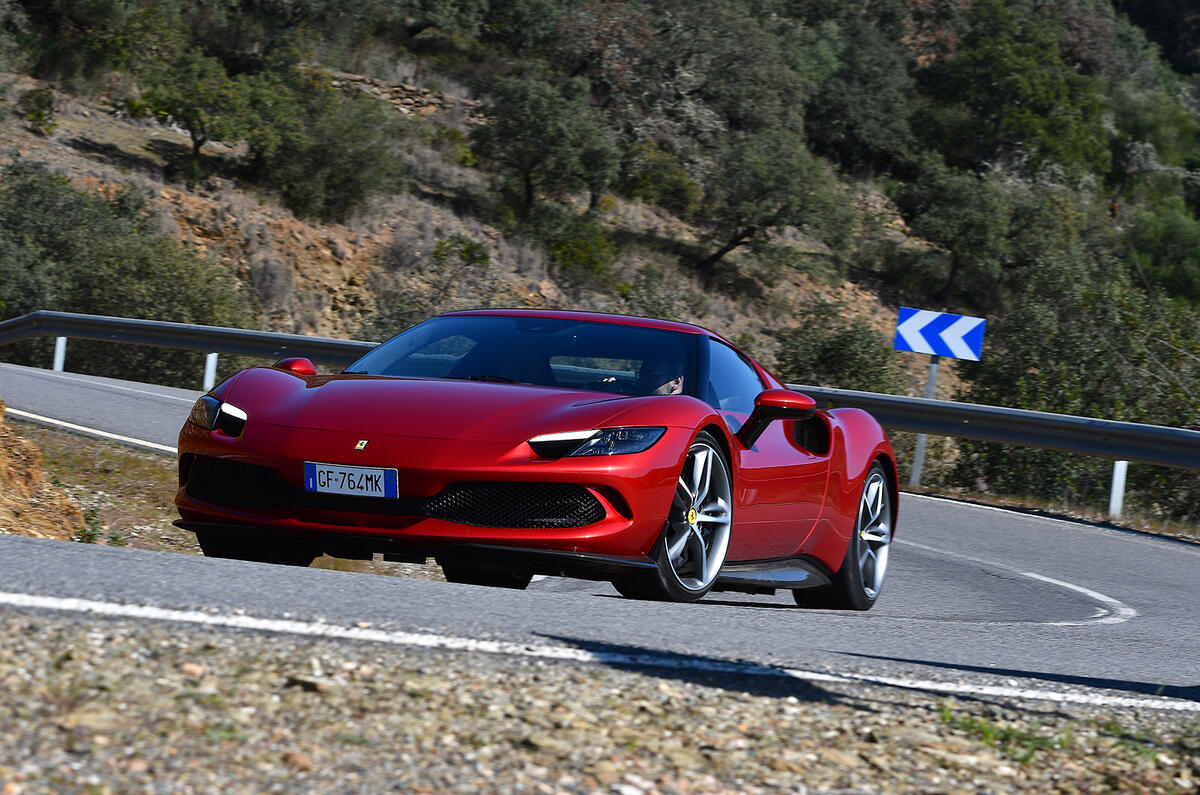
(874, 533)
(697, 536)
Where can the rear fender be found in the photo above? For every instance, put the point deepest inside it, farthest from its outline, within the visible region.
(858, 442)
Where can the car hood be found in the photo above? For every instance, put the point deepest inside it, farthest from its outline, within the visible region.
(429, 408)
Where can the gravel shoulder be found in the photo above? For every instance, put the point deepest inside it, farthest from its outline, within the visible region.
(100, 706)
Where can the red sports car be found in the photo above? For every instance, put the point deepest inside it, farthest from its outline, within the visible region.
(508, 443)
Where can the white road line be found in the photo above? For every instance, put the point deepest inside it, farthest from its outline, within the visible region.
(70, 426)
(563, 653)
(98, 384)
(1113, 612)
(1121, 611)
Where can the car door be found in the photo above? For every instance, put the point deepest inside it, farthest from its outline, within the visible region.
(779, 484)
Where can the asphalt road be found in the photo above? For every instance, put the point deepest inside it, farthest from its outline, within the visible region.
(974, 595)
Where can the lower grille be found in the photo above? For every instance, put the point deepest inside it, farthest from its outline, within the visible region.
(534, 505)
(483, 504)
(227, 482)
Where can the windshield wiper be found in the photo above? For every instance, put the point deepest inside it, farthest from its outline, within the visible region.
(496, 379)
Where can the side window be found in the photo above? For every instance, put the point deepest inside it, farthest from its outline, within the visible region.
(733, 382)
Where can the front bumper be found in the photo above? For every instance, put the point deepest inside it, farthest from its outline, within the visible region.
(627, 496)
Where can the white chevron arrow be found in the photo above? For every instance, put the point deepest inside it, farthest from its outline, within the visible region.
(953, 337)
(910, 330)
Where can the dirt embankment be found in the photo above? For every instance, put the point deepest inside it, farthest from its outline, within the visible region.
(30, 505)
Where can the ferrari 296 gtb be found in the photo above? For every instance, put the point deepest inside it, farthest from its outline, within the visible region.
(508, 443)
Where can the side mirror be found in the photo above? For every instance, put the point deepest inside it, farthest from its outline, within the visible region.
(297, 364)
(775, 404)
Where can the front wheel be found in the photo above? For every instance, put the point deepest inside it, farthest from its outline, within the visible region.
(857, 584)
(695, 537)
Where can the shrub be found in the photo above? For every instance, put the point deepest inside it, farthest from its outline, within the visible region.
(326, 153)
(832, 350)
(37, 107)
(658, 177)
(64, 249)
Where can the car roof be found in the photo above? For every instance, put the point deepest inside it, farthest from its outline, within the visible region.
(592, 317)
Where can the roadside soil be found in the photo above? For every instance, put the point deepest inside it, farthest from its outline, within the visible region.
(110, 706)
(32, 503)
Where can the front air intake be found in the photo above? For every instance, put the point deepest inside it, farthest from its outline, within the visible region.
(516, 505)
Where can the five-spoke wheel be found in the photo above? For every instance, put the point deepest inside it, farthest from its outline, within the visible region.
(695, 538)
(857, 584)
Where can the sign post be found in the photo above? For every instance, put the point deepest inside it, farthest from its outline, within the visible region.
(936, 334)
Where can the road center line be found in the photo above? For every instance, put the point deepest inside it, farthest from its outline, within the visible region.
(567, 654)
(1113, 611)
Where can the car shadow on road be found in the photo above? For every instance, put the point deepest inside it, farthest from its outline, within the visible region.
(1183, 692)
(738, 676)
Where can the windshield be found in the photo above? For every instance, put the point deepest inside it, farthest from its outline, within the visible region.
(604, 357)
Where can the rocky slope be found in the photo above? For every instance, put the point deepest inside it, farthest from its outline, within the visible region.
(30, 505)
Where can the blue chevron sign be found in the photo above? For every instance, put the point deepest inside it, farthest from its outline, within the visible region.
(939, 333)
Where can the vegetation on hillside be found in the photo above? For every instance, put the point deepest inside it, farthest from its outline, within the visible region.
(1047, 152)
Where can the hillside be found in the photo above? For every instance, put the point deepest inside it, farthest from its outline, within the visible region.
(349, 169)
(30, 505)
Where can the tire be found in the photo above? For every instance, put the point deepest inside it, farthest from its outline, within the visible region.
(223, 544)
(695, 537)
(470, 575)
(859, 581)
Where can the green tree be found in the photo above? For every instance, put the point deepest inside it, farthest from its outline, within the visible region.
(547, 139)
(718, 66)
(1007, 96)
(195, 92)
(326, 153)
(859, 116)
(764, 180)
(1166, 247)
(969, 216)
(524, 26)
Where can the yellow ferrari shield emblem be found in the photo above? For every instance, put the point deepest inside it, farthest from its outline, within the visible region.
(692, 516)
(362, 445)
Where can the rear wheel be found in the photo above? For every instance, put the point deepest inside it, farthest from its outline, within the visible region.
(695, 538)
(857, 584)
(234, 546)
(470, 575)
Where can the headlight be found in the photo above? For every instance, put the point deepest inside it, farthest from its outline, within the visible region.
(204, 413)
(606, 441)
(210, 413)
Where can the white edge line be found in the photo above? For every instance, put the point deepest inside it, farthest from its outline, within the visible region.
(562, 653)
(1114, 612)
(70, 426)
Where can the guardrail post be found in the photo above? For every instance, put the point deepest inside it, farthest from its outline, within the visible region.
(210, 371)
(914, 477)
(1116, 499)
(60, 353)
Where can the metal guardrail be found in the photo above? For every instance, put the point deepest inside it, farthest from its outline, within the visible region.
(1149, 444)
(213, 339)
(1130, 441)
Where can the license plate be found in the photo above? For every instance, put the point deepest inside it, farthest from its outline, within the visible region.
(356, 481)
